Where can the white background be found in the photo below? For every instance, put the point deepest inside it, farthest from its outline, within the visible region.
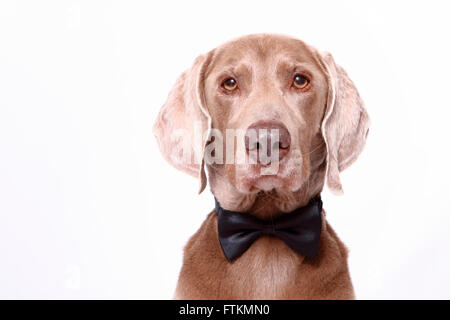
(88, 207)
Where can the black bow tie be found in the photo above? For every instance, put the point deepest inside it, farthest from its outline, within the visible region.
(299, 229)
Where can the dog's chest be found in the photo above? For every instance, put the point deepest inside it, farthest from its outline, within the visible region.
(266, 270)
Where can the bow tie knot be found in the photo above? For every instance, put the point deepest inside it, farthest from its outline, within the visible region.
(268, 229)
(299, 229)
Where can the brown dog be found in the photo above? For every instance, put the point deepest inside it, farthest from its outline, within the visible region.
(264, 82)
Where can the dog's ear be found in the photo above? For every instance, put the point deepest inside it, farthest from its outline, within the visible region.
(345, 125)
(184, 124)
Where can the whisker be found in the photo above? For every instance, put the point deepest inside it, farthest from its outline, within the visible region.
(315, 149)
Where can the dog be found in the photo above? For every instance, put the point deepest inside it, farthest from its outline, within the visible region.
(264, 82)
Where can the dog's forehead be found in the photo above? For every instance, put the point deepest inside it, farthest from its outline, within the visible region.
(262, 48)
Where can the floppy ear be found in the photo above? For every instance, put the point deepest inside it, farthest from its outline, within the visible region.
(345, 125)
(184, 124)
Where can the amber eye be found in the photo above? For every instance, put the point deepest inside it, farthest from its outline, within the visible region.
(300, 82)
(229, 84)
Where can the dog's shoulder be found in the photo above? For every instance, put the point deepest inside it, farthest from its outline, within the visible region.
(204, 265)
(206, 232)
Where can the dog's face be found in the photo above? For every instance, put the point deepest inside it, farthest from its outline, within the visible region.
(275, 95)
(267, 84)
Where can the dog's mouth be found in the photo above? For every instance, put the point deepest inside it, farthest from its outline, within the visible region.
(268, 183)
(257, 177)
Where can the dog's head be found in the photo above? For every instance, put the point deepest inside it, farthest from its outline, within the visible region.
(263, 112)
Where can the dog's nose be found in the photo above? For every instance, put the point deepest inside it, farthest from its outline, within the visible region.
(268, 136)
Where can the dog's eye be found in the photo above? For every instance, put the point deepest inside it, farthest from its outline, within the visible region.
(300, 81)
(229, 84)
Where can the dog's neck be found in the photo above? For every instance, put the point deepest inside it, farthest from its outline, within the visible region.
(272, 204)
(267, 205)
